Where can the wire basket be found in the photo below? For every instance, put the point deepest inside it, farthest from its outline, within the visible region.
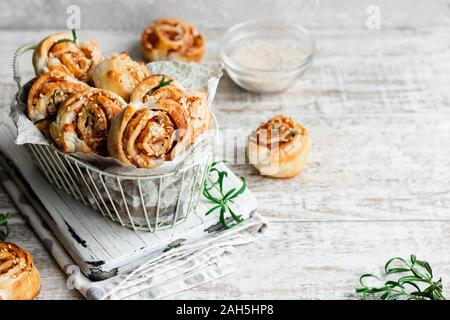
(149, 203)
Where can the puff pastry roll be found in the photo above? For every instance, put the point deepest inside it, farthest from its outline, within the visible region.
(19, 278)
(119, 74)
(47, 93)
(172, 39)
(147, 137)
(60, 52)
(279, 148)
(83, 121)
(198, 108)
(153, 88)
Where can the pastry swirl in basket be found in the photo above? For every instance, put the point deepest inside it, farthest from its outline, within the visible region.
(83, 121)
(46, 94)
(146, 137)
(198, 109)
(153, 88)
(119, 74)
(62, 52)
(19, 279)
(172, 39)
(279, 148)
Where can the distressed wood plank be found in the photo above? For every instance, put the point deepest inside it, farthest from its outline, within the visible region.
(207, 14)
(323, 260)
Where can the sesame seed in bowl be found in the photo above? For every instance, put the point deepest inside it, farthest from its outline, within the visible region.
(266, 57)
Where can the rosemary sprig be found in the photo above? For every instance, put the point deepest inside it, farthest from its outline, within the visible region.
(222, 203)
(74, 39)
(415, 283)
(54, 99)
(74, 36)
(4, 228)
(88, 116)
(291, 133)
(161, 84)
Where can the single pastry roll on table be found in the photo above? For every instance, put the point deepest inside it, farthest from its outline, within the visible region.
(47, 93)
(119, 74)
(279, 148)
(19, 278)
(150, 90)
(60, 52)
(83, 121)
(172, 39)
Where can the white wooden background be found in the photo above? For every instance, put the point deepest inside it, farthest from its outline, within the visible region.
(377, 104)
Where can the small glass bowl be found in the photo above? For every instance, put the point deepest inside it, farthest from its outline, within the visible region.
(262, 80)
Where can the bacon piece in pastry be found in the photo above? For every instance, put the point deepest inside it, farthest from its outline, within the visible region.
(119, 74)
(279, 148)
(147, 137)
(19, 278)
(153, 88)
(83, 121)
(60, 52)
(172, 39)
(47, 93)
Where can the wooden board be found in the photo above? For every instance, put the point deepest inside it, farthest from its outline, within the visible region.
(99, 246)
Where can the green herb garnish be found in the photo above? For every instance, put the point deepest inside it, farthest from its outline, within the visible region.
(4, 228)
(54, 99)
(74, 39)
(415, 282)
(74, 36)
(161, 84)
(222, 202)
(291, 133)
(88, 116)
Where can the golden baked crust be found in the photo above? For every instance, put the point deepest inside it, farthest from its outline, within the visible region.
(57, 52)
(279, 148)
(19, 279)
(147, 137)
(153, 88)
(119, 74)
(172, 39)
(83, 121)
(198, 109)
(47, 93)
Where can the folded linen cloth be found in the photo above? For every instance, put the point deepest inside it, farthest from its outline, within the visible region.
(174, 260)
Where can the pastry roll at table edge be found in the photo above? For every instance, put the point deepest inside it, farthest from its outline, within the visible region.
(158, 86)
(172, 39)
(146, 137)
(19, 278)
(83, 121)
(119, 74)
(279, 148)
(47, 93)
(59, 52)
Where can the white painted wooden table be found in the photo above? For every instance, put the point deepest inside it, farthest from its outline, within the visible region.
(377, 104)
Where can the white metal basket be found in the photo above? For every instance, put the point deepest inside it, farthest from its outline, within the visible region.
(148, 203)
